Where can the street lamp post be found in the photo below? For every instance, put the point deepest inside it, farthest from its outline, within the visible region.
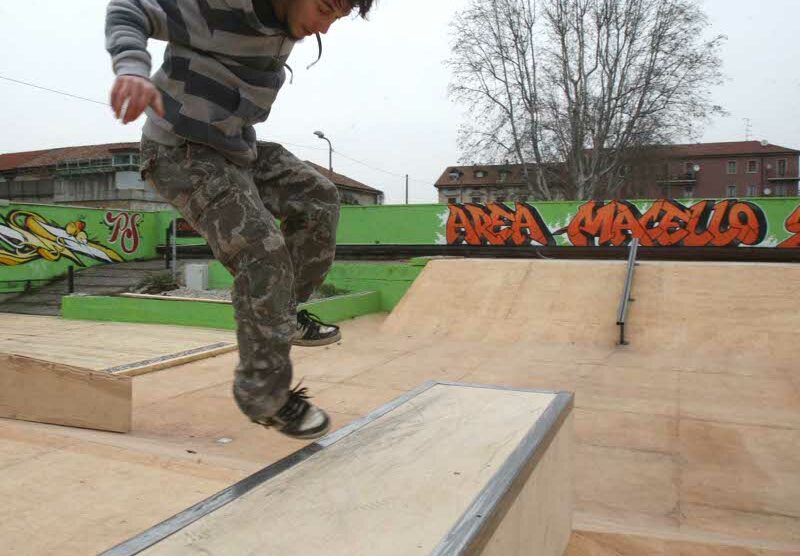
(330, 150)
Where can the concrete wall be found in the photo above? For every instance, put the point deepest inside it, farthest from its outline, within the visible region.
(121, 190)
(353, 197)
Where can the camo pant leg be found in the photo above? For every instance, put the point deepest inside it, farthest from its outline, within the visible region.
(307, 204)
(220, 200)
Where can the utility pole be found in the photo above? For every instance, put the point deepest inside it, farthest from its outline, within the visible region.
(406, 188)
(748, 128)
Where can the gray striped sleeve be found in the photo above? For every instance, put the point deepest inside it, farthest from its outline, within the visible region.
(129, 23)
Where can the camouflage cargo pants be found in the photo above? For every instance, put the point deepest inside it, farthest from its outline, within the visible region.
(235, 210)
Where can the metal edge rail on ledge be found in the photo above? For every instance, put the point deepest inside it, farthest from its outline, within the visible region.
(394, 251)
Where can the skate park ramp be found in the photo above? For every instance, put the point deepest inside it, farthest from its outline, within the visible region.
(446, 469)
(689, 434)
(687, 440)
(113, 347)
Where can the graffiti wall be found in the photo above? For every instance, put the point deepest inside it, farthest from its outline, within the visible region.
(39, 242)
(762, 222)
(660, 223)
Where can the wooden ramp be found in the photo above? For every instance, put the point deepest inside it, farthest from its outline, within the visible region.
(446, 469)
(46, 392)
(114, 347)
(689, 434)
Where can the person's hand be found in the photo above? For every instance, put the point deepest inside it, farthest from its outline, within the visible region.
(131, 95)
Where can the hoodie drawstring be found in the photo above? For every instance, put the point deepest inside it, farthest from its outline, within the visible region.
(319, 57)
(309, 66)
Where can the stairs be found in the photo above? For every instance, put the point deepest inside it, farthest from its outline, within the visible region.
(107, 279)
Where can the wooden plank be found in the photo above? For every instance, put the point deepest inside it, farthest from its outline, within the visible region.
(541, 516)
(397, 482)
(46, 392)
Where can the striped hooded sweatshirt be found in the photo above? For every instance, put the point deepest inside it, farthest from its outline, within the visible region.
(223, 67)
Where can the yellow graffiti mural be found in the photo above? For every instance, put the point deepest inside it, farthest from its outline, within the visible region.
(27, 236)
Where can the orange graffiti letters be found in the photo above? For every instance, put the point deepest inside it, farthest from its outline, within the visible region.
(496, 224)
(793, 227)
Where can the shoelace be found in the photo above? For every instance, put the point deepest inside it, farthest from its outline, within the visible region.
(296, 406)
(306, 319)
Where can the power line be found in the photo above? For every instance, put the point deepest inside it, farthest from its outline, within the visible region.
(376, 168)
(350, 158)
(52, 90)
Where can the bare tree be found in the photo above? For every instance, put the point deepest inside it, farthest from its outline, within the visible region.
(495, 70)
(580, 82)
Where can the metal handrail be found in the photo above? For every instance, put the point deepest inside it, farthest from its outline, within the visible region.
(626, 295)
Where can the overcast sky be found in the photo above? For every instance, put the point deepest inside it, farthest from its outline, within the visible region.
(379, 93)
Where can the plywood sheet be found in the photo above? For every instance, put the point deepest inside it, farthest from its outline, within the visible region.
(46, 392)
(394, 487)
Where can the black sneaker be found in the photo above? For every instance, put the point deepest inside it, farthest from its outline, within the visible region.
(311, 331)
(299, 418)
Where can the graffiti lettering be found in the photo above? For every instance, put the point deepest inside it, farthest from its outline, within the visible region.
(496, 224)
(125, 230)
(27, 236)
(793, 227)
(728, 223)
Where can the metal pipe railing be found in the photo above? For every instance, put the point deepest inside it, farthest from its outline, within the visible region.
(71, 280)
(626, 294)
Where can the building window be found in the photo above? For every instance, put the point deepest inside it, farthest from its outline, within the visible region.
(688, 192)
(480, 174)
(452, 200)
(780, 190)
(476, 200)
(501, 199)
(752, 190)
(732, 167)
(454, 175)
(752, 166)
(731, 191)
(782, 168)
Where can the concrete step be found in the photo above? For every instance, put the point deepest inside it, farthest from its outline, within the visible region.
(31, 309)
(37, 299)
(98, 280)
(93, 281)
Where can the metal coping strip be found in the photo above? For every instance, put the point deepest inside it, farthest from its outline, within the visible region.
(487, 501)
(475, 527)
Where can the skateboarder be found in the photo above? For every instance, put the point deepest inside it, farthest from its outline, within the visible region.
(223, 67)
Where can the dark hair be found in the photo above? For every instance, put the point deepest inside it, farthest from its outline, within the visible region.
(363, 6)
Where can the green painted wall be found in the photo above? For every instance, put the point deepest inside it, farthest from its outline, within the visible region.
(390, 280)
(218, 276)
(199, 313)
(388, 224)
(428, 224)
(776, 220)
(760, 222)
(39, 242)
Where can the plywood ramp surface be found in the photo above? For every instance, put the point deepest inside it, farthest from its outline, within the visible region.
(731, 314)
(394, 486)
(47, 392)
(100, 345)
(690, 433)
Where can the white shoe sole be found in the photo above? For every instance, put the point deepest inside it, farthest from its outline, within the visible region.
(312, 436)
(316, 343)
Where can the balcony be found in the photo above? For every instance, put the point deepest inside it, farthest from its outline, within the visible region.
(687, 178)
